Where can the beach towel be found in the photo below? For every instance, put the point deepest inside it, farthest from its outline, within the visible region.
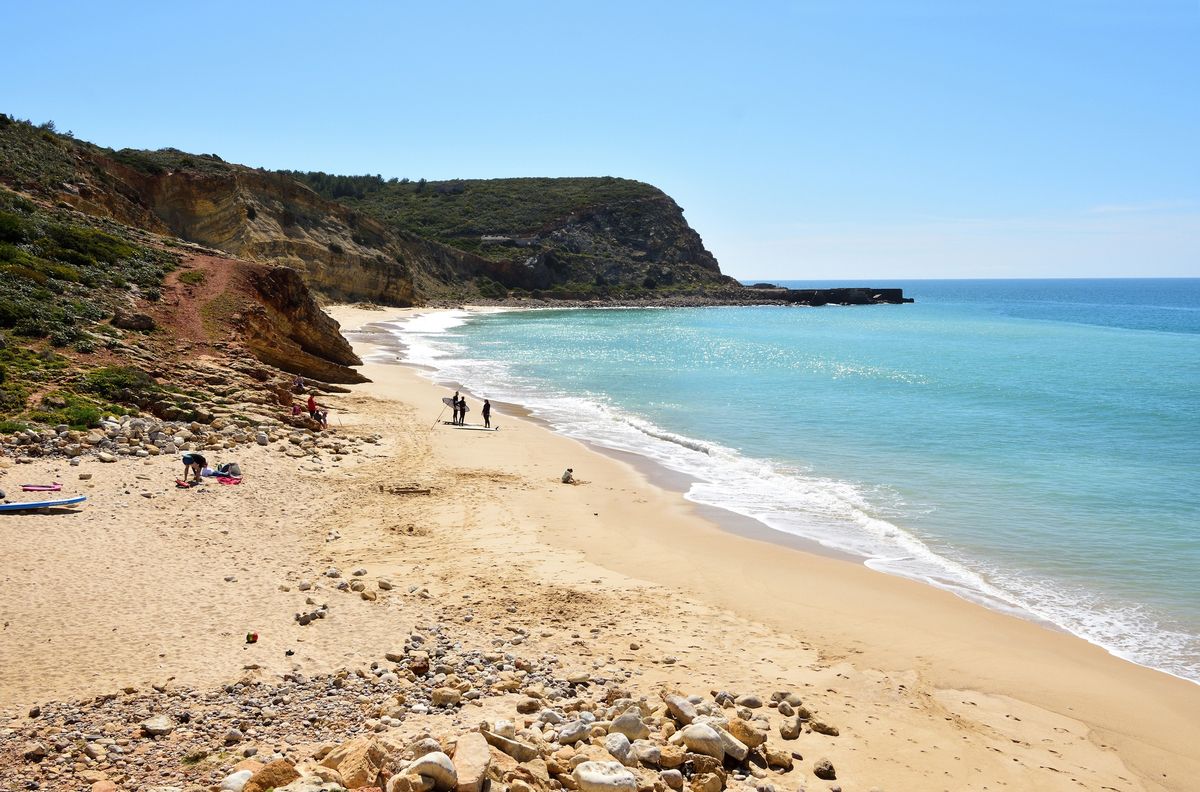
(55, 487)
(229, 480)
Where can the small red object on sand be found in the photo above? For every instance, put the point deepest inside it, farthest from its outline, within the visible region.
(252, 637)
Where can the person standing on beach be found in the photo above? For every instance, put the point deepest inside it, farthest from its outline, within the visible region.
(454, 407)
(462, 411)
(487, 414)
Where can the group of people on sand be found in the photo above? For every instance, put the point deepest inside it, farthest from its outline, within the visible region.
(317, 411)
(459, 404)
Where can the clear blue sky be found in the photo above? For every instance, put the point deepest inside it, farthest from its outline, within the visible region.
(806, 140)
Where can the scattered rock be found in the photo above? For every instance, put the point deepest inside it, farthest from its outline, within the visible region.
(823, 769)
(630, 725)
(274, 775)
(604, 777)
(157, 726)
(436, 766)
(471, 761)
(747, 732)
(703, 739)
(680, 708)
(34, 751)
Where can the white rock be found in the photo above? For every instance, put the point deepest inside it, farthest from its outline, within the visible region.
(618, 747)
(630, 724)
(235, 781)
(703, 739)
(437, 766)
(604, 777)
(647, 752)
(158, 725)
(573, 732)
(732, 745)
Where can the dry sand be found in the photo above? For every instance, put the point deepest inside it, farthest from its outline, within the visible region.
(929, 691)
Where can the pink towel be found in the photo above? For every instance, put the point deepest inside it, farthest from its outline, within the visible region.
(228, 480)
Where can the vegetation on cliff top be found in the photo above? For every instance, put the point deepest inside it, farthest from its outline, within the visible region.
(460, 211)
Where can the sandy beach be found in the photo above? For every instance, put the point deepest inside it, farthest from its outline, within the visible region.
(149, 585)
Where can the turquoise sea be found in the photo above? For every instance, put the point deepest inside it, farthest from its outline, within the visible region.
(1030, 445)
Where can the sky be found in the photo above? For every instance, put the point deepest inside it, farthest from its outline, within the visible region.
(805, 140)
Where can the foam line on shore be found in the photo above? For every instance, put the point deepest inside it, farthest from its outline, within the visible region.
(835, 514)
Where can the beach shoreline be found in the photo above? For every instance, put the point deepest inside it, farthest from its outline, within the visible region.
(477, 537)
(889, 621)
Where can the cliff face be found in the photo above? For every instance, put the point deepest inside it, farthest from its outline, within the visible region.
(585, 235)
(286, 329)
(396, 243)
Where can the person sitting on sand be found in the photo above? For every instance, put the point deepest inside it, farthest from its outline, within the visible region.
(569, 476)
(195, 463)
(318, 412)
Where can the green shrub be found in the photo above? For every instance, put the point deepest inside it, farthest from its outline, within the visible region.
(12, 427)
(193, 277)
(12, 228)
(119, 383)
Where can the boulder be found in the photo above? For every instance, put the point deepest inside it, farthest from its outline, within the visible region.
(732, 745)
(132, 321)
(703, 739)
(749, 733)
(671, 756)
(236, 781)
(647, 752)
(673, 779)
(823, 769)
(278, 773)
(748, 700)
(34, 751)
(778, 759)
(821, 727)
(445, 697)
(520, 751)
(358, 761)
(437, 767)
(618, 746)
(471, 760)
(680, 708)
(573, 732)
(789, 728)
(630, 725)
(604, 777)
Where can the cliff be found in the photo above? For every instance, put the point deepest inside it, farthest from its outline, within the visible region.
(604, 237)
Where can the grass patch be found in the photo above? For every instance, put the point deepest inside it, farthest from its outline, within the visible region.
(195, 758)
(217, 315)
(193, 277)
(120, 383)
(12, 427)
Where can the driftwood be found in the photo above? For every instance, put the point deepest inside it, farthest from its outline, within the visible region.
(398, 489)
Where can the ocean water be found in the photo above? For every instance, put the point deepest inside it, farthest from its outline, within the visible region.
(1033, 446)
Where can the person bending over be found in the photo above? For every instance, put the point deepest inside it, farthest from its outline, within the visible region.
(194, 463)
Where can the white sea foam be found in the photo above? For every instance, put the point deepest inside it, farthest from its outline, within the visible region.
(834, 513)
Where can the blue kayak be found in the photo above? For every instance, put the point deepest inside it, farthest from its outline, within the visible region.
(20, 507)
